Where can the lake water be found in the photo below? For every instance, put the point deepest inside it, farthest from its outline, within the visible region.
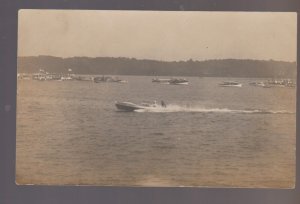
(71, 133)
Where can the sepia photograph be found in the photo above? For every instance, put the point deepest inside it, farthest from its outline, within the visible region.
(156, 98)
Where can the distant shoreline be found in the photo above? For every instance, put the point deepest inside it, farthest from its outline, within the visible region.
(239, 68)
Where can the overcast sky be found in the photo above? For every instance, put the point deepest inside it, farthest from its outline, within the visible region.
(161, 35)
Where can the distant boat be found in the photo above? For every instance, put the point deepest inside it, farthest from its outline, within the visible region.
(282, 83)
(230, 84)
(108, 79)
(120, 81)
(56, 77)
(39, 76)
(83, 78)
(260, 84)
(162, 81)
(173, 81)
(179, 82)
(66, 78)
(24, 76)
(275, 83)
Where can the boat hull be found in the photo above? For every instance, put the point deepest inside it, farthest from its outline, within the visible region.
(180, 83)
(162, 81)
(224, 85)
(127, 106)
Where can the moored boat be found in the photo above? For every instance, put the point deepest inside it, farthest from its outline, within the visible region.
(162, 81)
(230, 84)
(83, 78)
(108, 79)
(171, 81)
(282, 83)
(179, 82)
(66, 78)
(260, 84)
(23, 76)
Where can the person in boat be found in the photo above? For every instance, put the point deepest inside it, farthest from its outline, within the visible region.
(163, 104)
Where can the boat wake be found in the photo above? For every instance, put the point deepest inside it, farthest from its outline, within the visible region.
(177, 108)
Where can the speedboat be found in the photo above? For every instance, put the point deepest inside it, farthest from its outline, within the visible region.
(230, 84)
(129, 106)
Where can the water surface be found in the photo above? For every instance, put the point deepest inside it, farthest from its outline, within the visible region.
(71, 133)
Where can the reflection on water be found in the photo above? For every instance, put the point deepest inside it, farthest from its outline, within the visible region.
(71, 133)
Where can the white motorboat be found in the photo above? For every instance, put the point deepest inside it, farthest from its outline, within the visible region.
(161, 81)
(129, 106)
(172, 81)
(230, 84)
